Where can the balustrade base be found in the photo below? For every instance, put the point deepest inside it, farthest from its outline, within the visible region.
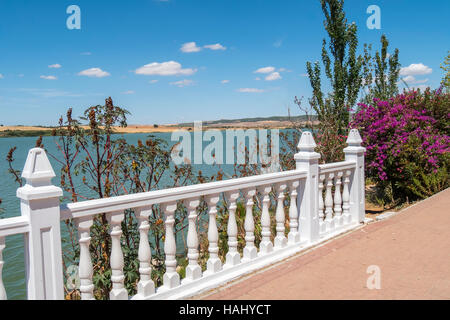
(232, 259)
(146, 288)
(280, 242)
(230, 273)
(193, 272)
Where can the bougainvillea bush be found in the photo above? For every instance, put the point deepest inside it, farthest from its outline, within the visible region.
(407, 141)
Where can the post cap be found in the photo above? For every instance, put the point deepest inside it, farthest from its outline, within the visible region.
(307, 143)
(37, 169)
(354, 139)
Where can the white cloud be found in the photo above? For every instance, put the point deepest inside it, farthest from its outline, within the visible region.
(153, 81)
(94, 73)
(48, 93)
(182, 83)
(278, 43)
(48, 77)
(169, 68)
(412, 79)
(128, 92)
(252, 90)
(1, 76)
(422, 87)
(265, 70)
(86, 53)
(415, 69)
(216, 46)
(21, 75)
(257, 78)
(225, 81)
(273, 76)
(190, 47)
(409, 79)
(55, 66)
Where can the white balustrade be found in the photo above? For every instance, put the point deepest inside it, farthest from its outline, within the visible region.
(213, 265)
(346, 197)
(266, 245)
(294, 235)
(171, 278)
(311, 220)
(118, 291)
(250, 251)
(280, 240)
(2, 287)
(322, 225)
(338, 199)
(85, 270)
(233, 257)
(146, 286)
(329, 202)
(193, 270)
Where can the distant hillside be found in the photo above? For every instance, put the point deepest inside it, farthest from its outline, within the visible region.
(230, 121)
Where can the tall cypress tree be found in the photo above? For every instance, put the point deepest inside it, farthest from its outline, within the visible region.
(342, 68)
(386, 70)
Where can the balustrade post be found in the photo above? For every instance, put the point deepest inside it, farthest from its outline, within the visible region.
(308, 197)
(39, 203)
(346, 198)
(329, 222)
(118, 291)
(250, 251)
(85, 270)
(145, 285)
(294, 235)
(355, 152)
(280, 240)
(193, 270)
(266, 245)
(2, 288)
(338, 199)
(213, 264)
(322, 224)
(233, 257)
(171, 278)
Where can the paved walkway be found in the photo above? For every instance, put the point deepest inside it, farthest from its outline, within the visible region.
(412, 250)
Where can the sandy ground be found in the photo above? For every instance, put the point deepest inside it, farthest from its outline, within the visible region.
(134, 128)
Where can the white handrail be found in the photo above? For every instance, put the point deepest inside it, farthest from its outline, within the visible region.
(14, 225)
(336, 166)
(96, 206)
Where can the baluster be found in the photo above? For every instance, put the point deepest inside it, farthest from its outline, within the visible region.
(85, 270)
(280, 239)
(213, 264)
(2, 288)
(329, 203)
(250, 251)
(118, 291)
(338, 199)
(266, 245)
(193, 270)
(145, 285)
(321, 206)
(171, 278)
(346, 198)
(294, 235)
(233, 257)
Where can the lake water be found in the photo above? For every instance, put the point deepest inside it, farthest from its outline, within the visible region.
(13, 255)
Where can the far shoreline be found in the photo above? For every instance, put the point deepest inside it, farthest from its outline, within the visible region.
(31, 131)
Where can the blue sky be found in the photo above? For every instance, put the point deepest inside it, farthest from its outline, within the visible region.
(141, 54)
